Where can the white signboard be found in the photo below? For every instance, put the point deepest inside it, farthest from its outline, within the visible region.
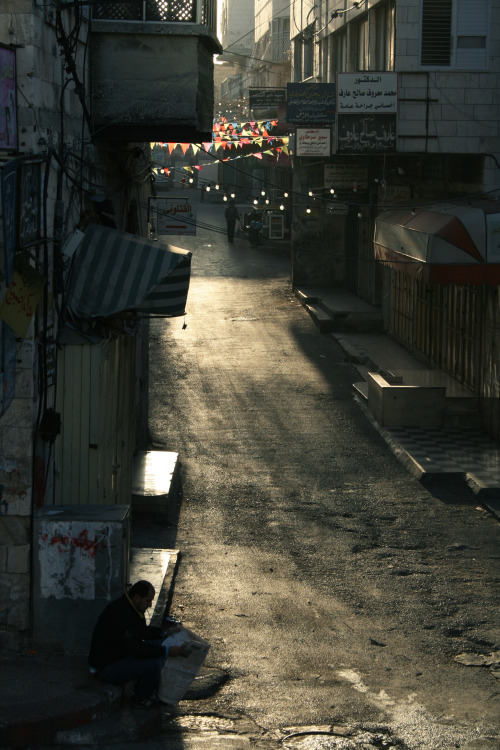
(313, 142)
(173, 216)
(376, 93)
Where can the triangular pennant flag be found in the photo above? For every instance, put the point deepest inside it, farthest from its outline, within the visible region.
(171, 147)
(258, 155)
(184, 147)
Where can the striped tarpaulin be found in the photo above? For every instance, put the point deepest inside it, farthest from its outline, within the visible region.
(115, 271)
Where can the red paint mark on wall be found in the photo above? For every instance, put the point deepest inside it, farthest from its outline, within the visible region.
(82, 541)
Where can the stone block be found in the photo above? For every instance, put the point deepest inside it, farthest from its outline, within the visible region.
(18, 559)
(3, 558)
(13, 531)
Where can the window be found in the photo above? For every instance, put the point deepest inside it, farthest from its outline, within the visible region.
(361, 42)
(308, 52)
(341, 52)
(384, 45)
(280, 38)
(455, 34)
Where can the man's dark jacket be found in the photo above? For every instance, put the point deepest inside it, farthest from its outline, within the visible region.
(121, 631)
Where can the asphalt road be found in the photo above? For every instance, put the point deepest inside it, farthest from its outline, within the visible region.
(335, 589)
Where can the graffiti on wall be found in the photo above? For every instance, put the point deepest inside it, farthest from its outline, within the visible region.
(67, 557)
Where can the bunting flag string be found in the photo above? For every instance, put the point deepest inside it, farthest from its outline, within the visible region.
(233, 140)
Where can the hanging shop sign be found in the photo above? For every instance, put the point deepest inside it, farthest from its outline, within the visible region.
(366, 134)
(313, 142)
(8, 112)
(310, 103)
(173, 216)
(375, 93)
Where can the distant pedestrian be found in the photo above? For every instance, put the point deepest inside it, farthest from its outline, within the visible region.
(254, 228)
(232, 215)
(125, 648)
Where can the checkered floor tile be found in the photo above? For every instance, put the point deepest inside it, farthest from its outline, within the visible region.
(451, 451)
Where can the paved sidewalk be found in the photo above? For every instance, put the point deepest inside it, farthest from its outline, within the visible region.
(429, 453)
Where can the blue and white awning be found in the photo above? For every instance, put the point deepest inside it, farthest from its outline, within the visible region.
(114, 271)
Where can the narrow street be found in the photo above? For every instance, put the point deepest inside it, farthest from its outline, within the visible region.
(335, 589)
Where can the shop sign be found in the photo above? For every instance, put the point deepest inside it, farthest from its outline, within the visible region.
(346, 175)
(366, 134)
(22, 297)
(173, 216)
(313, 142)
(375, 93)
(266, 98)
(311, 103)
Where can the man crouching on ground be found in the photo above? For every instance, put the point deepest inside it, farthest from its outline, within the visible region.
(124, 648)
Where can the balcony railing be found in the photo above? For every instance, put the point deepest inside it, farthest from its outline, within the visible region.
(202, 12)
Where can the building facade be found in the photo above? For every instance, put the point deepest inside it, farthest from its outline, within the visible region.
(75, 176)
(414, 126)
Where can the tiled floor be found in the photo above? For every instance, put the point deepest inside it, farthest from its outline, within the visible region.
(440, 451)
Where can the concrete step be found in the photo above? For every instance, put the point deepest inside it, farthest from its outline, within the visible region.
(155, 481)
(322, 319)
(361, 389)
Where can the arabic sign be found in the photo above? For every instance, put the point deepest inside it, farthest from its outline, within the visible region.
(266, 98)
(173, 216)
(344, 176)
(313, 142)
(366, 134)
(8, 114)
(375, 93)
(21, 297)
(311, 103)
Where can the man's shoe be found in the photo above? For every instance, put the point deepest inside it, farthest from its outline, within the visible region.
(150, 702)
